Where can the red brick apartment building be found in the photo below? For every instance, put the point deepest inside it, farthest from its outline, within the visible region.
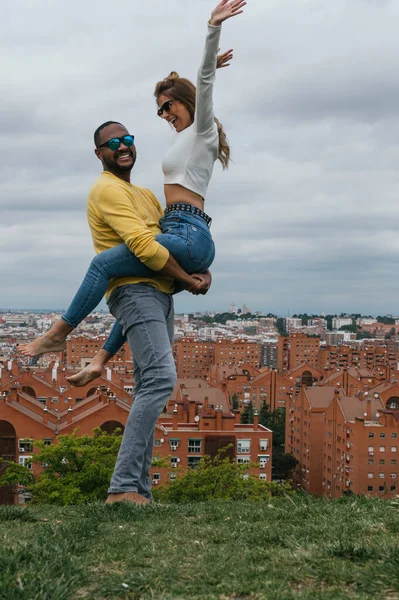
(250, 384)
(295, 350)
(360, 356)
(298, 349)
(345, 442)
(194, 357)
(361, 446)
(198, 420)
(272, 388)
(80, 350)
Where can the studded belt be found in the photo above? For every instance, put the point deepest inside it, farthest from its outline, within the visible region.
(189, 208)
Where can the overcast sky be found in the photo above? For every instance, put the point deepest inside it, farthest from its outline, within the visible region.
(306, 218)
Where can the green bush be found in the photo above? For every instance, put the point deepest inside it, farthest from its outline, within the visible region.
(77, 469)
(219, 478)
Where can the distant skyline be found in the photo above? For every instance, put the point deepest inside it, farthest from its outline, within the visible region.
(306, 219)
(265, 313)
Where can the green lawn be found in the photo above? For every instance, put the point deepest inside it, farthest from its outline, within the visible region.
(288, 548)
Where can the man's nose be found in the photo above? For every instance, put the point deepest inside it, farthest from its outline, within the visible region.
(122, 146)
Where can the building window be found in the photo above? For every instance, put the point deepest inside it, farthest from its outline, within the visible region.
(371, 449)
(243, 446)
(194, 446)
(263, 477)
(25, 461)
(47, 441)
(370, 475)
(157, 442)
(263, 444)
(25, 445)
(243, 460)
(394, 436)
(174, 443)
(173, 476)
(371, 461)
(381, 488)
(371, 434)
(156, 478)
(382, 461)
(393, 461)
(382, 435)
(393, 448)
(393, 475)
(381, 475)
(382, 448)
(263, 460)
(174, 461)
(193, 461)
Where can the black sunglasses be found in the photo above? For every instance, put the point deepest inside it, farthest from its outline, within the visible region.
(165, 107)
(114, 143)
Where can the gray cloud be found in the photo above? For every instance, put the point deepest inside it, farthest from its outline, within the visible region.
(305, 218)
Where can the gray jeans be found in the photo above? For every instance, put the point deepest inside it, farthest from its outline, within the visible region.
(147, 319)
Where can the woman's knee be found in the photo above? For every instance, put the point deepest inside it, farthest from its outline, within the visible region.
(98, 263)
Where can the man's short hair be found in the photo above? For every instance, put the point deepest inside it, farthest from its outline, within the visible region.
(97, 131)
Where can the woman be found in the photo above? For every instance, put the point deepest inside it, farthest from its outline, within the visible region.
(187, 169)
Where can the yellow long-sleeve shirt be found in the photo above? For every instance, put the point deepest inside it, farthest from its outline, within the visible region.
(119, 212)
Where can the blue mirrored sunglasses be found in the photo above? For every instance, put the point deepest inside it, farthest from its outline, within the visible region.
(114, 143)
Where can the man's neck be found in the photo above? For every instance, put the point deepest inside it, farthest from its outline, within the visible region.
(125, 176)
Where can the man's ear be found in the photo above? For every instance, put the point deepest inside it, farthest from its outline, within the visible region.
(98, 153)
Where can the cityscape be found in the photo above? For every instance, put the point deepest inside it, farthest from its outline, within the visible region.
(331, 379)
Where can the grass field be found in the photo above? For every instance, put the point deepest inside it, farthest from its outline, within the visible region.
(287, 548)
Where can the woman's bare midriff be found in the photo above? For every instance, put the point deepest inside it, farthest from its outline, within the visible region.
(177, 193)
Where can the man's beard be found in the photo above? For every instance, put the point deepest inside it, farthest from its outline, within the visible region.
(115, 167)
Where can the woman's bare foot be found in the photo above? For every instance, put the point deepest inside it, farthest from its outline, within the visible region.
(92, 370)
(89, 373)
(44, 344)
(52, 341)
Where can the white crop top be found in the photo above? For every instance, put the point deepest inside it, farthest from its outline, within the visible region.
(191, 159)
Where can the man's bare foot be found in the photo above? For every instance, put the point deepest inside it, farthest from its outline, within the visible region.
(89, 373)
(44, 344)
(133, 497)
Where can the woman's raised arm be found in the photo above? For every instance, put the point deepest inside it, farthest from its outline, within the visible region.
(204, 117)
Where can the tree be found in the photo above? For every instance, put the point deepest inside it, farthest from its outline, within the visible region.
(280, 327)
(329, 319)
(248, 414)
(363, 335)
(234, 402)
(282, 463)
(386, 320)
(264, 414)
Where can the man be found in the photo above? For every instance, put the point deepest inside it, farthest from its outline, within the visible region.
(143, 307)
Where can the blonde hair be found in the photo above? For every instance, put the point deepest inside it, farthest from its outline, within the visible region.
(183, 90)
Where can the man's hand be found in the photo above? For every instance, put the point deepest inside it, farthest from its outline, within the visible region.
(204, 283)
(223, 60)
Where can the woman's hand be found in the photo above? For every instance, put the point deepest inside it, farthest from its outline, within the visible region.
(223, 59)
(225, 10)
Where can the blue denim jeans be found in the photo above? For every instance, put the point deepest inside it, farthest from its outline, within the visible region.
(186, 236)
(146, 318)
